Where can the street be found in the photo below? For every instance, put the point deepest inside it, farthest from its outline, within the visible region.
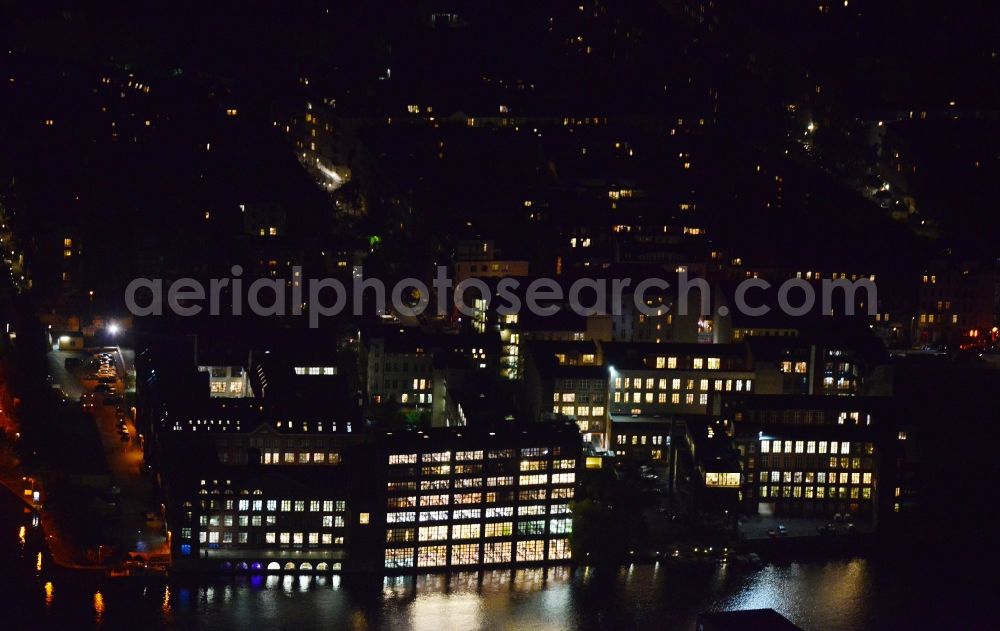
(125, 459)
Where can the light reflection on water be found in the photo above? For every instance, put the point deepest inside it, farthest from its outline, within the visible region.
(817, 595)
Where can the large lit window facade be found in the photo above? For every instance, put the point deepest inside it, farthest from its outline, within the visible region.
(811, 476)
(489, 505)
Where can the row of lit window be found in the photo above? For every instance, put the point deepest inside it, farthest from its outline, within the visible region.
(675, 384)
(314, 506)
(298, 538)
(697, 363)
(819, 492)
(798, 367)
(245, 505)
(568, 397)
(470, 554)
(809, 447)
(622, 439)
(302, 457)
(397, 486)
(284, 538)
(842, 384)
(491, 530)
(720, 479)
(675, 398)
(315, 370)
(406, 534)
(446, 456)
(834, 276)
(227, 521)
(219, 387)
(820, 477)
(444, 515)
(472, 498)
(435, 500)
(930, 318)
(855, 417)
(304, 425)
(578, 411)
(541, 465)
(243, 520)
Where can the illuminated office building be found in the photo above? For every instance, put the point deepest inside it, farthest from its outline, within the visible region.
(468, 498)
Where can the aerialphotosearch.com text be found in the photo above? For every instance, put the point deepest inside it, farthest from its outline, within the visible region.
(318, 298)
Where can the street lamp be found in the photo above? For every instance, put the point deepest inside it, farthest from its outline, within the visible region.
(114, 329)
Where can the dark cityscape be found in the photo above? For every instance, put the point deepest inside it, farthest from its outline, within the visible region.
(445, 314)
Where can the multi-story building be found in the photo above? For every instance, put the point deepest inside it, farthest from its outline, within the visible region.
(397, 502)
(417, 371)
(399, 368)
(472, 497)
(659, 379)
(643, 437)
(568, 379)
(833, 363)
(247, 518)
(957, 305)
(480, 258)
(806, 456)
(227, 375)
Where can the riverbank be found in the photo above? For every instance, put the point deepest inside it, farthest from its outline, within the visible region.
(59, 551)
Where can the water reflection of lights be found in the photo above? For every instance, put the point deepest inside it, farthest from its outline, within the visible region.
(99, 606)
(836, 587)
(165, 606)
(498, 580)
(49, 593)
(469, 600)
(528, 580)
(38, 562)
(20, 535)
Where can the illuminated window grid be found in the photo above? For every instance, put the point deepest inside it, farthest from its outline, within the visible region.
(483, 506)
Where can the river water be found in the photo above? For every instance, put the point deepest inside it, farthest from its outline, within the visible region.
(818, 595)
